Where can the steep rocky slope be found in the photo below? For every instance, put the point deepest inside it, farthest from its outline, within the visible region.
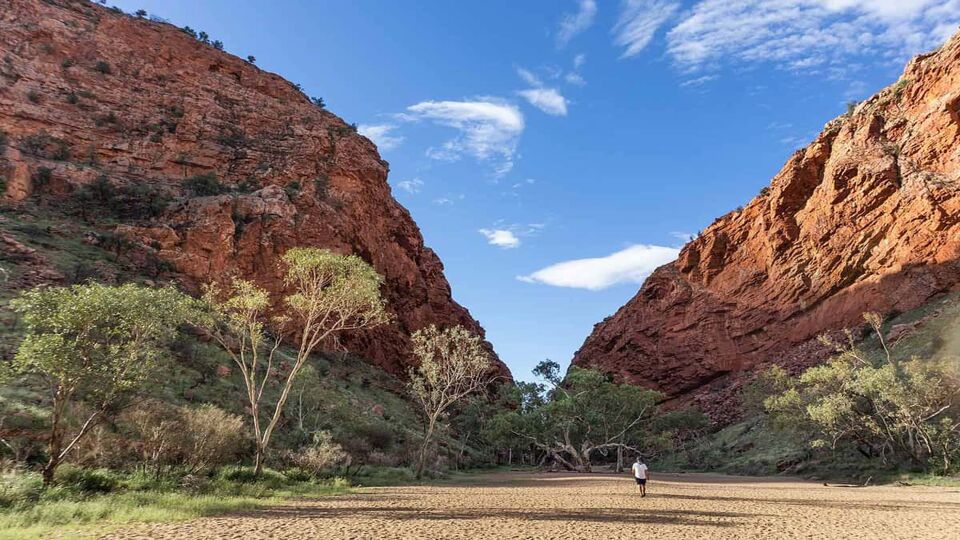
(205, 164)
(867, 217)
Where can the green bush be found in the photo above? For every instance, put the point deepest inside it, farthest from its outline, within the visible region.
(103, 67)
(42, 177)
(87, 480)
(42, 144)
(18, 488)
(204, 185)
(245, 475)
(296, 474)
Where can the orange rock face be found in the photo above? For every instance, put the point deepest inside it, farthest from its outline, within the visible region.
(866, 218)
(86, 92)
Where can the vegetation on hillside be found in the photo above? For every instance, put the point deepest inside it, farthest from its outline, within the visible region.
(883, 406)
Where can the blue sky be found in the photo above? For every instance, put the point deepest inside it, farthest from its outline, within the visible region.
(525, 137)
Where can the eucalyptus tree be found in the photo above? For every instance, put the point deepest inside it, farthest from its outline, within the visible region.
(328, 294)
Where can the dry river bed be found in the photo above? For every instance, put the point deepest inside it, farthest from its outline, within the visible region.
(565, 506)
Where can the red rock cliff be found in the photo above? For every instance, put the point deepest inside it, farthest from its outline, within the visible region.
(867, 217)
(86, 92)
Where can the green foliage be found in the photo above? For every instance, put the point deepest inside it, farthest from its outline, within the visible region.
(96, 343)
(292, 189)
(585, 414)
(19, 488)
(41, 178)
(42, 144)
(896, 411)
(204, 185)
(135, 498)
(329, 293)
(327, 282)
(86, 480)
(318, 101)
(103, 67)
(34, 95)
(453, 364)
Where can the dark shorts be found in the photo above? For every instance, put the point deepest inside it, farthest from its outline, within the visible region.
(641, 481)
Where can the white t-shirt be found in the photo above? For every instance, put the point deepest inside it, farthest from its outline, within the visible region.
(640, 471)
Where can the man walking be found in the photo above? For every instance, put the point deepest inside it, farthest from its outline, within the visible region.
(640, 474)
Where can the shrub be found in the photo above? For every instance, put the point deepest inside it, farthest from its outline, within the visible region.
(104, 119)
(156, 426)
(321, 187)
(140, 13)
(247, 475)
(103, 66)
(203, 37)
(42, 144)
(204, 185)
(318, 101)
(292, 189)
(896, 411)
(211, 436)
(18, 487)
(33, 95)
(323, 454)
(72, 98)
(252, 59)
(3, 139)
(67, 63)
(190, 32)
(852, 106)
(87, 480)
(42, 177)
(217, 44)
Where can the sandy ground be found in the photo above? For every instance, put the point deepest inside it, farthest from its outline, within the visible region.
(562, 506)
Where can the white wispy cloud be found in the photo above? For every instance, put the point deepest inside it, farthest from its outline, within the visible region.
(682, 236)
(380, 135)
(639, 21)
(574, 77)
(413, 185)
(548, 100)
(488, 129)
(502, 238)
(630, 265)
(573, 24)
(698, 81)
(808, 34)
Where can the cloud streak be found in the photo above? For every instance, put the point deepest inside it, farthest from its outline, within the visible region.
(630, 265)
(807, 35)
(488, 129)
(573, 24)
(380, 135)
(638, 22)
(548, 100)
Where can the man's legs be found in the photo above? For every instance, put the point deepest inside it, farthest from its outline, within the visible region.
(643, 489)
